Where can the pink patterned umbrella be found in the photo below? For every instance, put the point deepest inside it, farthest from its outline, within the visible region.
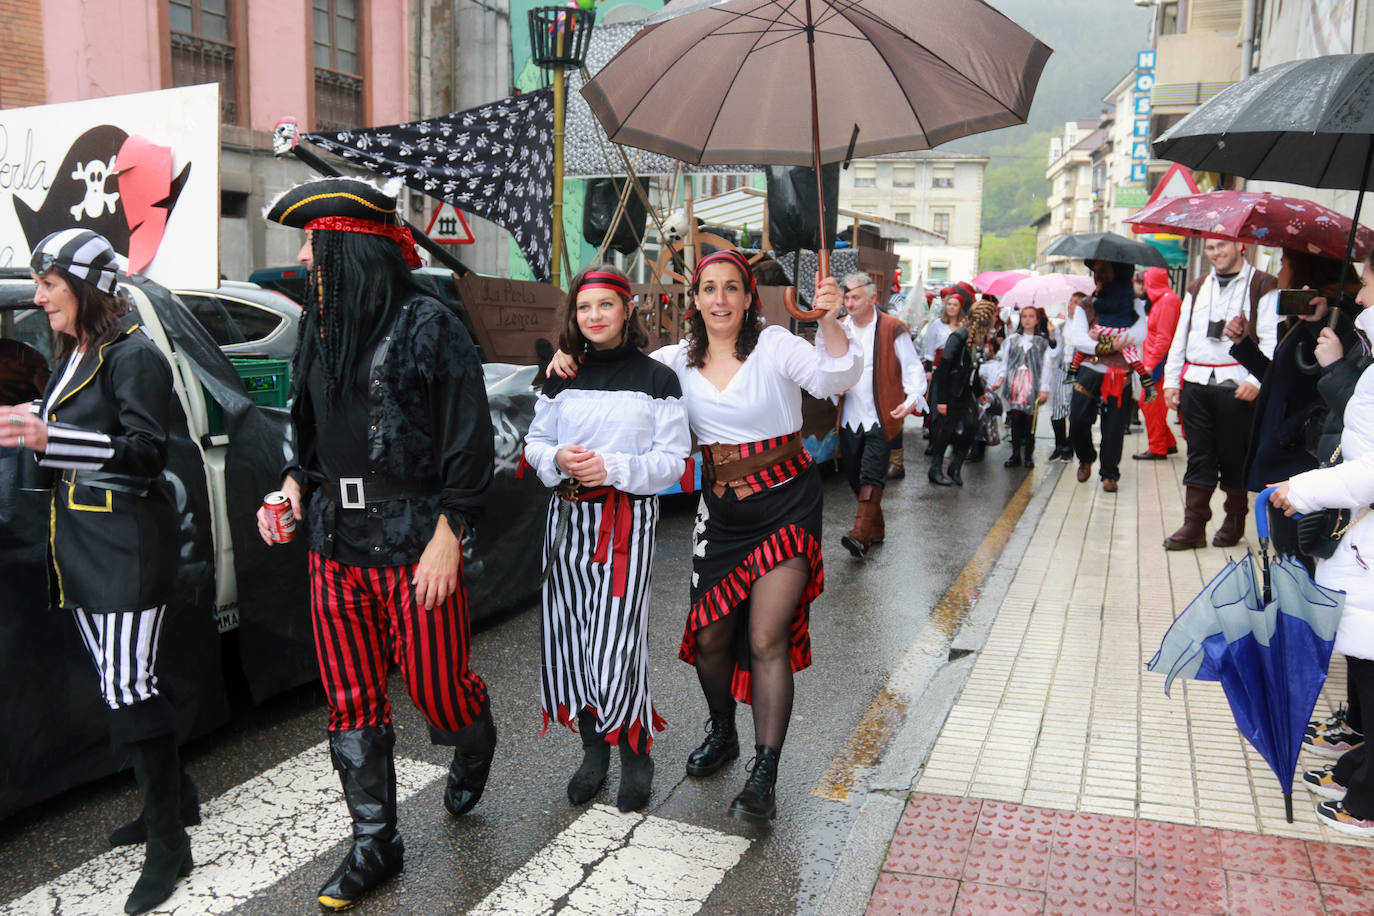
(997, 282)
(1047, 291)
(1255, 216)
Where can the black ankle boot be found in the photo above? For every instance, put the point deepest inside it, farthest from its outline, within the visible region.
(756, 800)
(720, 747)
(954, 467)
(1014, 461)
(367, 772)
(636, 777)
(936, 474)
(473, 749)
(136, 831)
(168, 856)
(596, 760)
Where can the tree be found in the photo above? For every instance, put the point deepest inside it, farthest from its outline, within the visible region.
(1007, 252)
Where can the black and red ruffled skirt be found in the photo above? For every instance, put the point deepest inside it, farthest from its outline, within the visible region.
(734, 543)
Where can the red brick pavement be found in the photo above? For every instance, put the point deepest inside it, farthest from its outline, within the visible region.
(968, 857)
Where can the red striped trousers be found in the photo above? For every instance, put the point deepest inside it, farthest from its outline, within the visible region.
(364, 619)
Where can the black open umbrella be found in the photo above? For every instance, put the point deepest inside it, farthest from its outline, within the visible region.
(1308, 122)
(1107, 246)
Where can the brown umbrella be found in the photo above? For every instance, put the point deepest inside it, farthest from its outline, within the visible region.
(725, 81)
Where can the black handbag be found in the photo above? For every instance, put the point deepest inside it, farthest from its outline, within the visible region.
(1319, 532)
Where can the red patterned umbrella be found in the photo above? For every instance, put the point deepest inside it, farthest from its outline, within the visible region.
(1258, 217)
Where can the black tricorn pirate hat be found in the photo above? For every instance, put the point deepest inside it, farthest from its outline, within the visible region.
(350, 198)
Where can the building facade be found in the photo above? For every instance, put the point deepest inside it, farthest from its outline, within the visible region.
(1070, 171)
(328, 63)
(940, 192)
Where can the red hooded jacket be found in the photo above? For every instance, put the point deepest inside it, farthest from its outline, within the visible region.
(1159, 327)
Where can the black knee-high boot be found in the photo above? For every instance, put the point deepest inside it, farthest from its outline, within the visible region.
(168, 856)
(636, 776)
(473, 749)
(136, 831)
(367, 771)
(596, 760)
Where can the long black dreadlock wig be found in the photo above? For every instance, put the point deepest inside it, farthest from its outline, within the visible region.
(357, 282)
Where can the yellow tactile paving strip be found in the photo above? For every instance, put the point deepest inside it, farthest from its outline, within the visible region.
(1059, 710)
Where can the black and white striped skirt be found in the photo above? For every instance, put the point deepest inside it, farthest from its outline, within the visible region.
(595, 650)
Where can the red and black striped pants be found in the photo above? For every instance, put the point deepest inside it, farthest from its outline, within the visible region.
(365, 618)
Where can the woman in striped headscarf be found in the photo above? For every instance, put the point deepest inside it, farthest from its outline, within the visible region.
(607, 441)
(103, 423)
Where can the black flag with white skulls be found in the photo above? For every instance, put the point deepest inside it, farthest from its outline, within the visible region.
(495, 160)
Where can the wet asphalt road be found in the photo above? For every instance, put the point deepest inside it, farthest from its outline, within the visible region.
(860, 629)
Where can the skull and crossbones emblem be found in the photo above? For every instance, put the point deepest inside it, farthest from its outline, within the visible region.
(94, 174)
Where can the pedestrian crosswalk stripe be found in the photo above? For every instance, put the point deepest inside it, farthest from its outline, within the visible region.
(250, 837)
(609, 862)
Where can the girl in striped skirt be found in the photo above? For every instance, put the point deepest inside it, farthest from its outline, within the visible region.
(607, 441)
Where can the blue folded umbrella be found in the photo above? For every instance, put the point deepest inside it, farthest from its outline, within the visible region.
(1267, 640)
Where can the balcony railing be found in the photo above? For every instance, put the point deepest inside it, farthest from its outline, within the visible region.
(1186, 93)
(338, 100)
(202, 60)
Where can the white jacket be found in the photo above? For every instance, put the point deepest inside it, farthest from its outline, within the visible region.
(1349, 485)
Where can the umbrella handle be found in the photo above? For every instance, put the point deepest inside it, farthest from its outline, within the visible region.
(793, 305)
(1262, 513)
(790, 300)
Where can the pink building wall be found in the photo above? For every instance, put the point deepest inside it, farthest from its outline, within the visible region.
(95, 48)
(279, 61)
(389, 81)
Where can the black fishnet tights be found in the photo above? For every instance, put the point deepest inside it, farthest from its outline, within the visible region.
(772, 601)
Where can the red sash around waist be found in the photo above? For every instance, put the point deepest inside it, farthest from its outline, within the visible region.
(613, 534)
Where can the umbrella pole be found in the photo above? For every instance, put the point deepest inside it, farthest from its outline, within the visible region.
(1310, 366)
(824, 252)
(1288, 807)
(1354, 227)
(1349, 245)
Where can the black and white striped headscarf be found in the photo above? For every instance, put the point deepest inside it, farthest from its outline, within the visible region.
(81, 253)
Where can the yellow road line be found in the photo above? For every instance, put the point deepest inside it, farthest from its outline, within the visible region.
(885, 714)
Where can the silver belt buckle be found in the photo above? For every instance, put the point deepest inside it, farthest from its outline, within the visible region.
(351, 493)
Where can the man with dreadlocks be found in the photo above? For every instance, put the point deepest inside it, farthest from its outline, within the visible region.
(394, 451)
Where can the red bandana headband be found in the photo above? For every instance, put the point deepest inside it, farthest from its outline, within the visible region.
(399, 234)
(600, 279)
(735, 258)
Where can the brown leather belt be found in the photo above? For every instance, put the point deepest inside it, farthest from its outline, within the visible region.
(724, 469)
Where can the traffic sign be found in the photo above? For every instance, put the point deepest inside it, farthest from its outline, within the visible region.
(1177, 182)
(449, 226)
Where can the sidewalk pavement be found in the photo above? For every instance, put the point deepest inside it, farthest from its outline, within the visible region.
(1065, 781)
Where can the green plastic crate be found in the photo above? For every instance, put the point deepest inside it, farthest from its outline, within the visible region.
(267, 381)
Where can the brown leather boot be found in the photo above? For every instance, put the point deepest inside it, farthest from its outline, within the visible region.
(896, 465)
(858, 539)
(877, 527)
(1197, 510)
(1232, 527)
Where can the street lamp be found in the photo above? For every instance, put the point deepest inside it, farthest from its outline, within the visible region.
(558, 39)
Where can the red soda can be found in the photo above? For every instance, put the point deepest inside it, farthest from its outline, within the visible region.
(282, 521)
